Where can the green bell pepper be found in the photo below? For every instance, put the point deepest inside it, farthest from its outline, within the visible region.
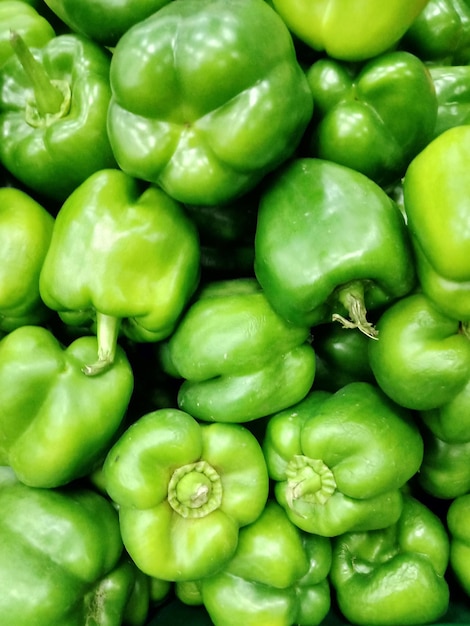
(441, 33)
(25, 235)
(239, 360)
(55, 423)
(62, 561)
(393, 576)
(445, 470)
(277, 576)
(341, 357)
(339, 461)
(373, 118)
(53, 110)
(101, 20)
(25, 20)
(458, 522)
(183, 490)
(350, 30)
(452, 85)
(124, 253)
(232, 101)
(422, 361)
(330, 243)
(435, 191)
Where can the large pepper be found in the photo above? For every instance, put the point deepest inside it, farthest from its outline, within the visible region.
(62, 561)
(351, 30)
(458, 522)
(208, 97)
(55, 423)
(422, 361)
(25, 20)
(104, 21)
(239, 359)
(394, 576)
(339, 461)
(441, 33)
(184, 490)
(25, 235)
(436, 191)
(120, 252)
(330, 243)
(277, 576)
(373, 118)
(53, 110)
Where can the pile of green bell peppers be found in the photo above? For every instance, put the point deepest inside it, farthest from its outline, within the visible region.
(234, 312)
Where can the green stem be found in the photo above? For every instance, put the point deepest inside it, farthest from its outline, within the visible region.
(351, 296)
(107, 331)
(52, 98)
(195, 490)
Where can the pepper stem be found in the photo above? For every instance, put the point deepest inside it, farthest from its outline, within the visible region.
(351, 296)
(51, 97)
(107, 331)
(309, 482)
(195, 490)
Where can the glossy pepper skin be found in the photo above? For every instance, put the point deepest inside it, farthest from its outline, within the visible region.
(349, 30)
(330, 243)
(373, 118)
(441, 33)
(62, 561)
(422, 361)
(394, 576)
(239, 360)
(452, 85)
(277, 576)
(184, 490)
(53, 114)
(458, 522)
(103, 21)
(341, 357)
(445, 470)
(55, 423)
(24, 19)
(339, 461)
(123, 254)
(436, 208)
(25, 235)
(203, 138)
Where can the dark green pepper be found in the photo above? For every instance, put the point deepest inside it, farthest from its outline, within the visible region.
(339, 461)
(101, 20)
(373, 118)
(53, 110)
(55, 423)
(239, 359)
(394, 576)
(330, 243)
(440, 34)
(124, 253)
